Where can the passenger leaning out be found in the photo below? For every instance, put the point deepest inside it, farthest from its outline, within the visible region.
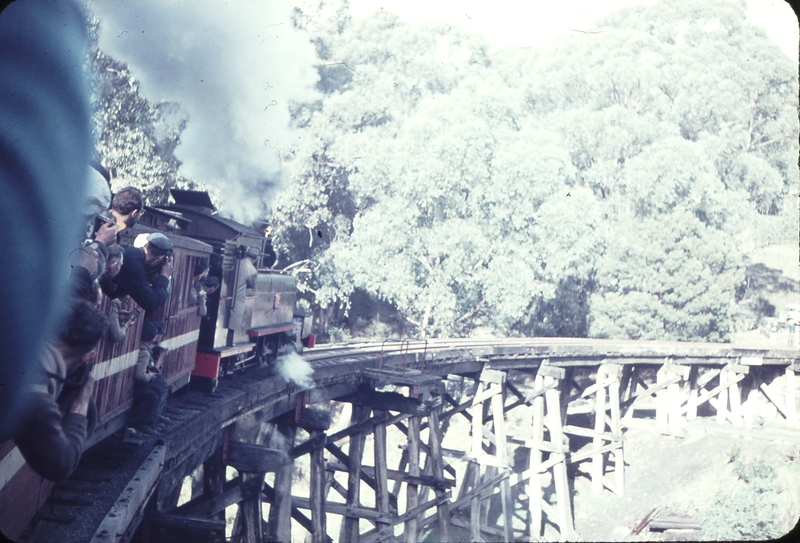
(119, 321)
(145, 273)
(149, 389)
(202, 286)
(52, 435)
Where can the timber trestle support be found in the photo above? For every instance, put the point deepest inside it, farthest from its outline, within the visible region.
(479, 450)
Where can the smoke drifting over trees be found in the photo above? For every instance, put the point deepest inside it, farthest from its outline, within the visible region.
(233, 68)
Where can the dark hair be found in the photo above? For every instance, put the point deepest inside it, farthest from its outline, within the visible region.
(152, 329)
(114, 254)
(82, 329)
(127, 200)
(212, 282)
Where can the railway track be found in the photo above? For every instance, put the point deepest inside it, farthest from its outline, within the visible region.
(194, 419)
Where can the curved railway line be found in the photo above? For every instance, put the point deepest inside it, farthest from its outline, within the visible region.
(126, 491)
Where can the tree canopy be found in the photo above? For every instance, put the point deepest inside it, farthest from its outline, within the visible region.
(604, 185)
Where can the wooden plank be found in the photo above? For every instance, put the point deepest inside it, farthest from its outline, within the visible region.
(208, 506)
(707, 377)
(314, 443)
(268, 494)
(386, 401)
(347, 511)
(673, 523)
(674, 409)
(349, 530)
(737, 368)
(645, 521)
(565, 526)
(255, 458)
(691, 412)
(493, 376)
(317, 493)
(485, 395)
(280, 512)
(662, 415)
(502, 453)
(705, 395)
(412, 490)
(722, 399)
(366, 426)
(598, 459)
(616, 429)
(752, 360)
(476, 450)
(381, 472)
(535, 493)
(437, 471)
(586, 432)
(396, 475)
(735, 398)
(251, 515)
(579, 456)
(133, 499)
(550, 371)
(539, 391)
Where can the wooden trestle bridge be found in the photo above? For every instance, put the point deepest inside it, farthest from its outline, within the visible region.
(574, 396)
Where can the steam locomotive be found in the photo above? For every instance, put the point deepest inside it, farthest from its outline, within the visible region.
(270, 320)
(196, 352)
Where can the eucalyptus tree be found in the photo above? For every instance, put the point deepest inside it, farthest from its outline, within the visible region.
(134, 138)
(568, 190)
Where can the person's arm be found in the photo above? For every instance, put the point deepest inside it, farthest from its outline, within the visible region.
(49, 443)
(202, 307)
(141, 366)
(193, 295)
(116, 331)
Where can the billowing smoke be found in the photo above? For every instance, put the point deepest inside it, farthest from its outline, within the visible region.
(234, 67)
(293, 368)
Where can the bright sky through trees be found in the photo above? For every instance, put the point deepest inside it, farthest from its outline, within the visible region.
(539, 21)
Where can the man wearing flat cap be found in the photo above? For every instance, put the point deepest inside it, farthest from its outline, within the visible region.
(145, 274)
(245, 279)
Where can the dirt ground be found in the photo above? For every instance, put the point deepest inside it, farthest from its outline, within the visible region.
(695, 477)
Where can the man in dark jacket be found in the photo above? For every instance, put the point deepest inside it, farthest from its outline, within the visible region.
(51, 436)
(154, 260)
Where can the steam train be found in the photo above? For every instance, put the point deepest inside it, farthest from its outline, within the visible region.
(197, 351)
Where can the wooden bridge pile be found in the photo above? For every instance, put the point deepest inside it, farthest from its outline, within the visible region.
(498, 483)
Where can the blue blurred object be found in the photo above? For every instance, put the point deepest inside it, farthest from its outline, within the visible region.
(44, 149)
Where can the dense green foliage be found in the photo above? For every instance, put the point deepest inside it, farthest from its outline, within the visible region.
(604, 185)
(752, 510)
(134, 138)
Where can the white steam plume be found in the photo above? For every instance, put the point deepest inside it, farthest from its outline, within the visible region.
(234, 67)
(293, 368)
